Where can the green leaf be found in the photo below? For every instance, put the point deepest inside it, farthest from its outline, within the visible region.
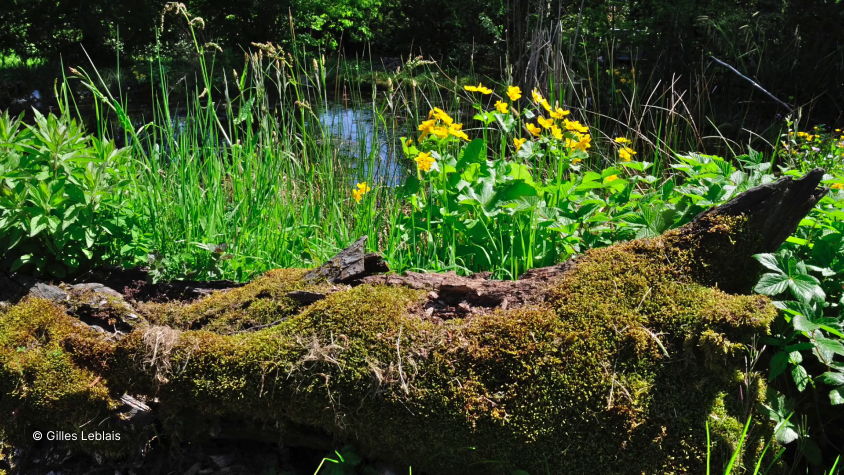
(832, 378)
(772, 284)
(810, 450)
(836, 396)
(474, 152)
(779, 362)
(800, 377)
(829, 344)
(807, 288)
(20, 262)
(786, 433)
(514, 190)
(801, 323)
(37, 224)
(519, 171)
(769, 261)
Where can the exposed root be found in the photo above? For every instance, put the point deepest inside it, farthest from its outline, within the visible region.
(160, 341)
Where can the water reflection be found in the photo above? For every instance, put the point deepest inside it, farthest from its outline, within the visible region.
(371, 150)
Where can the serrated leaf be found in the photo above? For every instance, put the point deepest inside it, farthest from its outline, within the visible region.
(772, 284)
(806, 287)
(769, 261)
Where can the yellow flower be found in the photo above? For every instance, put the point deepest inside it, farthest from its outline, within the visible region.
(622, 140)
(626, 154)
(583, 142)
(440, 131)
(514, 93)
(455, 130)
(424, 161)
(610, 178)
(838, 186)
(534, 130)
(426, 127)
(439, 114)
(575, 126)
(545, 123)
(502, 107)
(557, 132)
(537, 97)
(479, 88)
(360, 190)
(576, 160)
(559, 113)
(408, 142)
(518, 142)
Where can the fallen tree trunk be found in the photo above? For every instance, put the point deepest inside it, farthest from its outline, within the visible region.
(614, 360)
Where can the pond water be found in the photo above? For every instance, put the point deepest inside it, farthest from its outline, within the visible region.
(365, 145)
(374, 152)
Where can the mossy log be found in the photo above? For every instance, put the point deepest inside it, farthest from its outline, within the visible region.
(611, 362)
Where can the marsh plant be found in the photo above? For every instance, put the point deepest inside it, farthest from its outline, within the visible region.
(232, 173)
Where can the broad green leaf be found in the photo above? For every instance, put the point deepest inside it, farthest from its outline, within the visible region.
(772, 284)
(769, 261)
(806, 287)
(786, 433)
(800, 377)
(801, 323)
(474, 152)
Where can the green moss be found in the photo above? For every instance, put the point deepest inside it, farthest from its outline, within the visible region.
(260, 302)
(618, 369)
(41, 386)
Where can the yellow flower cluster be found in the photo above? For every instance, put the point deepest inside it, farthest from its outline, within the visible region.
(519, 142)
(555, 112)
(424, 161)
(479, 88)
(575, 126)
(626, 154)
(360, 190)
(581, 141)
(441, 125)
(545, 123)
(502, 107)
(537, 98)
(806, 136)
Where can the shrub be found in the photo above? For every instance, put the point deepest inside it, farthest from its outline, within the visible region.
(60, 197)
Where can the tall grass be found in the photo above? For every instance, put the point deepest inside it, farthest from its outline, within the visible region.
(233, 172)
